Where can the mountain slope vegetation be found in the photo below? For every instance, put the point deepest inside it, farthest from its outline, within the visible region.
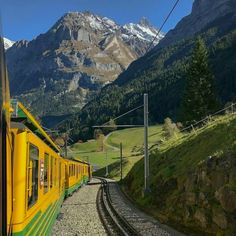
(192, 180)
(162, 73)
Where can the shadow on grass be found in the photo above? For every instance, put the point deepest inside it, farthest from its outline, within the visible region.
(113, 169)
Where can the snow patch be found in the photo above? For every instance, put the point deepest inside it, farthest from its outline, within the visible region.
(143, 32)
(8, 43)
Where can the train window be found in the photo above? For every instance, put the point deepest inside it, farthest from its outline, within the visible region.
(33, 175)
(55, 172)
(51, 173)
(45, 175)
(76, 171)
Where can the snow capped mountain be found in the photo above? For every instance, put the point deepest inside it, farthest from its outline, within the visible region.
(79, 25)
(75, 58)
(143, 30)
(88, 21)
(7, 43)
(101, 23)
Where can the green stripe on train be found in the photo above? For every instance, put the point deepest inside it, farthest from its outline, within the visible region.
(28, 227)
(77, 185)
(48, 231)
(53, 214)
(73, 188)
(47, 222)
(45, 219)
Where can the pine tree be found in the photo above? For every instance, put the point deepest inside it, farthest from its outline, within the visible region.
(199, 97)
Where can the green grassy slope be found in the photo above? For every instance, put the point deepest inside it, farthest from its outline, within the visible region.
(132, 141)
(193, 180)
(90, 151)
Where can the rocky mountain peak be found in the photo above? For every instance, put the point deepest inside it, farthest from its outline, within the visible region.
(142, 32)
(78, 55)
(86, 19)
(144, 22)
(83, 26)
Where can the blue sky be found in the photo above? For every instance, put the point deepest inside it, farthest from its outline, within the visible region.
(26, 19)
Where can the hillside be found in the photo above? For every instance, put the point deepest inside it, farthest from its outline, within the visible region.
(59, 71)
(162, 71)
(132, 141)
(193, 180)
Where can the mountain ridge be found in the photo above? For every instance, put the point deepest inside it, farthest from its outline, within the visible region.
(162, 72)
(203, 13)
(72, 61)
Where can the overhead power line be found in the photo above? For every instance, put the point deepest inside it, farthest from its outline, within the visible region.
(116, 126)
(163, 24)
(106, 124)
(123, 115)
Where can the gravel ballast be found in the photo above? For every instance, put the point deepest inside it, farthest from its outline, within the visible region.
(143, 223)
(79, 214)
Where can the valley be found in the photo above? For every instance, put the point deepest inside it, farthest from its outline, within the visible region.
(94, 84)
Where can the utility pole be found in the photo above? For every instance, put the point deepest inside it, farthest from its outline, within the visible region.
(106, 165)
(66, 138)
(121, 163)
(146, 156)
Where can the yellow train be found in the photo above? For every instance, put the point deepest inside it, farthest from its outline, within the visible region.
(34, 178)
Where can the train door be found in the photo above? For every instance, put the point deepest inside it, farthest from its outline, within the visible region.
(89, 172)
(76, 171)
(55, 172)
(59, 176)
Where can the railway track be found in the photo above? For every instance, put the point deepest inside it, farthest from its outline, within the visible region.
(114, 223)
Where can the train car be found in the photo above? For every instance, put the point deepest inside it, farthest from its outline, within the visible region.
(38, 176)
(34, 177)
(41, 177)
(90, 171)
(77, 175)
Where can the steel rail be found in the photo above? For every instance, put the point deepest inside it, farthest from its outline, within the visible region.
(121, 224)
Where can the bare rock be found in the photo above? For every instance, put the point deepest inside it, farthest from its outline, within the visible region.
(227, 198)
(200, 216)
(190, 198)
(219, 218)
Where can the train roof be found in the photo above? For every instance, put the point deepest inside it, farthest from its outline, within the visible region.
(21, 114)
(77, 160)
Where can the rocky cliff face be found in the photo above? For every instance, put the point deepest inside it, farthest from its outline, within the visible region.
(203, 13)
(79, 55)
(211, 190)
